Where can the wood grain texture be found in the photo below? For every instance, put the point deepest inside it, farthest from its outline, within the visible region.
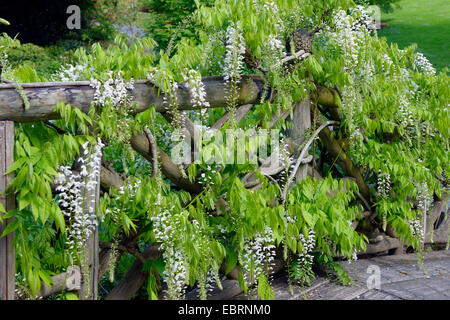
(92, 251)
(302, 123)
(7, 257)
(43, 97)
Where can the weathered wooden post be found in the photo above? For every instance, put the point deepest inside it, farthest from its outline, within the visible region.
(302, 123)
(7, 259)
(90, 292)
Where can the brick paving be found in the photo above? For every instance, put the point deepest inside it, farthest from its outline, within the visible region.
(400, 279)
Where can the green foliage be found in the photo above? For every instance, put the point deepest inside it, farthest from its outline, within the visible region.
(380, 134)
(44, 61)
(170, 18)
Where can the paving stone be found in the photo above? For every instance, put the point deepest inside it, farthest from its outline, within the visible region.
(400, 278)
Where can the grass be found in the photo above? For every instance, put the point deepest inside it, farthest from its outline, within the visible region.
(424, 22)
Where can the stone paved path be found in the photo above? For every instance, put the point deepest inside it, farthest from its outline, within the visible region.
(400, 279)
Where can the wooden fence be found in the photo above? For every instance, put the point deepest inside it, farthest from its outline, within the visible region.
(43, 98)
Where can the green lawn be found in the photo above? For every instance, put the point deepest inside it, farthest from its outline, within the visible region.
(424, 22)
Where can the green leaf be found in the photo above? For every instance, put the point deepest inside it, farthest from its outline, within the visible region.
(45, 277)
(17, 164)
(10, 227)
(152, 287)
(70, 296)
(231, 260)
(2, 208)
(59, 219)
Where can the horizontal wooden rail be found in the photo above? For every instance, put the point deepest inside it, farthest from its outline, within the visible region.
(43, 97)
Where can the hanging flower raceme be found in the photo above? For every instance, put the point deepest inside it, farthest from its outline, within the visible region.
(71, 73)
(258, 255)
(166, 227)
(235, 50)
(175, 273)
(424, 64)
(75, 190)
(305, 258)
(405, 115)
(383, 184)
(196, 87)
(114, 90)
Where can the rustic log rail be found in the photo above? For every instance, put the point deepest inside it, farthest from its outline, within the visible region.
(43, 97)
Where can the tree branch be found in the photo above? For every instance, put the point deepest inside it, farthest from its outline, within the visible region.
(172, 171)
(135, 277)
(152, 143)
(302, 155)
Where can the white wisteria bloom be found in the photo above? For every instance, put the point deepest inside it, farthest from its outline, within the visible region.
(74, 189)
(383, 184)
(235, 49)
(305, 258)
(258, 255)
(70, 73)
(424, 64)
(193, 80)
(115, 89)
(405, 115)
(166, 226)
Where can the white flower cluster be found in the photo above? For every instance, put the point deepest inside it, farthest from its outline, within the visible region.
(166, 226)
(71, 73)
(387, 60)
(114, 90)
(266, 5)
(345, 37)
(206, 178)
(424, 65)
(175, 273)
(274, 52)
(362, 19)
(258, 255)
(74, 189)
(284, 156)
(405, 115)
(275, 45)
(196, 87)
(383, 184)
(350, 32)
(416, 228)
(305, 258)
(424, 199)
(354, 256)
(285, 159)
(234, 54)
